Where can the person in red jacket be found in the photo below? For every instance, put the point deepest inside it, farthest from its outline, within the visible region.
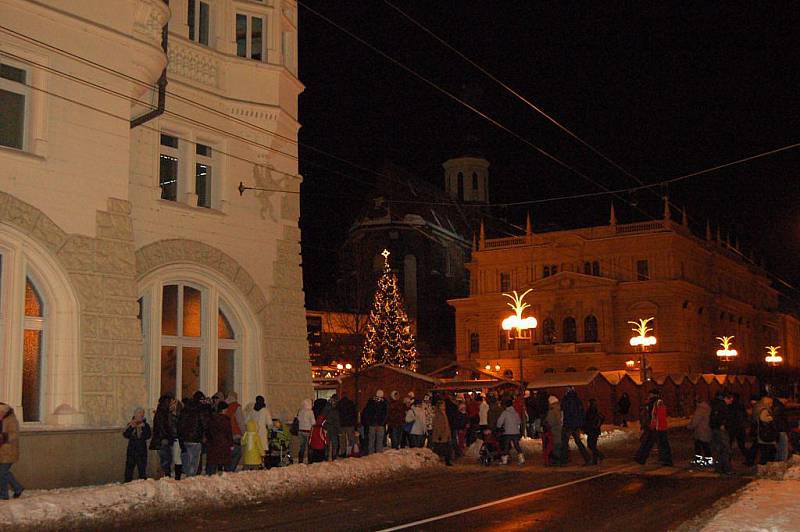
(318, 441)
(654, 428)
(396, 418)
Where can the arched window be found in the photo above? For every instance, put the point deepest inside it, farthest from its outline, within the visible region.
(596, 268)
(587, 268)
(590, 328)
(474, 181)
(570, 334)
(460, 186)
(474, 343)
(548, 331)
(32, 346)
(198, 335)
(39, 364)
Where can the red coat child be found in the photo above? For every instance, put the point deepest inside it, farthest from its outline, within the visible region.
(318, 440)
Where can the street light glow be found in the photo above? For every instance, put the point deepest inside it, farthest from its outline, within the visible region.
(773, 358)
(727, 350)
(642, 329)
(516, 321)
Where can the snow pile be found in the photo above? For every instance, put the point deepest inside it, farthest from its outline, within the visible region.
(764, 505)
(532, 446)
(93, 505)
(771, 503)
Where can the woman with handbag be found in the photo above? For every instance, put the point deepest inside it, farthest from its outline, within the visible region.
(9, 451)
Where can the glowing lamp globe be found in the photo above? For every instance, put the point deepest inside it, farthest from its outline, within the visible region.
(497, 367)
(516, 321)
(644, 341)
(348, 366)
(488, 367)
(630, 363)
(513, 322)
(339, 366)
(773, 358)
(641, 328)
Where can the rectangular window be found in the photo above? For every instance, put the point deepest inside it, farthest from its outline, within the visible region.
(250, 37)
(199, 21)
(474, 343)
(642, 270)
(225, 365)
(505, 282)
(168, 168)
(553, 269)
(546, 271)
(13, 96)
(203, 175)
(190, 371)
(474, 181)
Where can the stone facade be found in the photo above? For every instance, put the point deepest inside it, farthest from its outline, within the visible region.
(588, 283)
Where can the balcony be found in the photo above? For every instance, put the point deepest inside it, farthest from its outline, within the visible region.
(642, 227)
(510, 242)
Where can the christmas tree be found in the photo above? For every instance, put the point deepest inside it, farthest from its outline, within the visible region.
(389, 338)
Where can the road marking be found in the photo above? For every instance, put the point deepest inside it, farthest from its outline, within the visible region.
(501, 501)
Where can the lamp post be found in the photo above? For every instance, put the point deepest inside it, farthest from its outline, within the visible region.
(519, 328)
(642, 341)
(773, 358)
(726, 351)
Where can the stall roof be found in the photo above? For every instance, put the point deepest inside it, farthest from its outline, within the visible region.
(555, 380)
(402, 371)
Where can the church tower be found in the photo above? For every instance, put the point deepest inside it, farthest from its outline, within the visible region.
(466, 179)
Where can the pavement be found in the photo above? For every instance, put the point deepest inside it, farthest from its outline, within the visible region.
(617, 495)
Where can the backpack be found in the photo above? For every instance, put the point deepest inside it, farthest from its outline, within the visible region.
(319, 436)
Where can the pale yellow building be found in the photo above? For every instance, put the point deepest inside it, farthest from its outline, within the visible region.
(588, 283)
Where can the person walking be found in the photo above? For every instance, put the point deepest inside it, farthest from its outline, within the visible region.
(654, 429)
(574, 420)
(592, 427)
(137, 432)
(719, 421)
(622, 409)
(766, 432)
(553, 427)
(699, 424)
(306, 420)
(9, 452)
(442, 435)
(347, 424)
(219, 438)
(510, 423)
(238, 424)
(374, 421)
(395, 419)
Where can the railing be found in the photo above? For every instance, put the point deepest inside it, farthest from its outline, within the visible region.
(642, 227)
(506, 242)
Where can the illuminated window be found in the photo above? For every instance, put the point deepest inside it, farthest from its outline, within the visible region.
(250, 37)
(199, 20)
(168, 168)
(14, 97)
(185, 339)
(32, 347)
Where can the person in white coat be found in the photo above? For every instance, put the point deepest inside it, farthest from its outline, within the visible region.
(305, 421)
(510, 422)
(483, 413)
(416, 415)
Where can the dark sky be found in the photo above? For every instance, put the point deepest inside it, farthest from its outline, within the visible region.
(663, 90)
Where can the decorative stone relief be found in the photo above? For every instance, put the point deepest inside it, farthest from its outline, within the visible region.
(150, 17)
(194, 64)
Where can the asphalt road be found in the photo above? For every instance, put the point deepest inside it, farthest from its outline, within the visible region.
(618, 495)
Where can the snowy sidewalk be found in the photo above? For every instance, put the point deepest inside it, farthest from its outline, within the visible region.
(765, 504)
(97, 505)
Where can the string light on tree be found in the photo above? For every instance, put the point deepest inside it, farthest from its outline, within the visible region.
(388, 337)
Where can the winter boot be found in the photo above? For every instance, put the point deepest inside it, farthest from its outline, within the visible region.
(520, 458)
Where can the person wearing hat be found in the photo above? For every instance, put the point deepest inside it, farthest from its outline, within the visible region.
(551, 440)
(654, 428)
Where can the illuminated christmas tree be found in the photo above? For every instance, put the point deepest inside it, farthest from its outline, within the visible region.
(389, 338)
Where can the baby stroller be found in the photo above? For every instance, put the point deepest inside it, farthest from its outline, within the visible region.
(490, 449)
(279, 454)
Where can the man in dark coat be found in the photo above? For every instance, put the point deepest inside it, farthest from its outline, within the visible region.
(574, 420)
(719, 421)
(220, 440)
(347, 422)
(622, 409)
(191, 430)
(396, 418)
(374, 421)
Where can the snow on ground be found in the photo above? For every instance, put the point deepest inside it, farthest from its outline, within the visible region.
(610, 436)
(771, 503)
(95, 505)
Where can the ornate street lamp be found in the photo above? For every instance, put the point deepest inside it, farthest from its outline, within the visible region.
(519, 328)
(642, 342)
(727, 352)
(773, 358)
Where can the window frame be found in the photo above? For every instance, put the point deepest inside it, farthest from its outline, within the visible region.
(194, 19)
(23, 89)
(249, 35)
(208, 162)
(173, 152)
(642, 276)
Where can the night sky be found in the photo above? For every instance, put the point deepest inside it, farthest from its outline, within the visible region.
(663, 90)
